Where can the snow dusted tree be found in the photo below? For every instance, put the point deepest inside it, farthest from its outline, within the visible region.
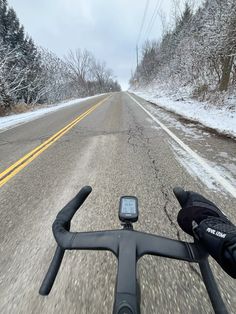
(20, 68)
(88, 75)
(102, 78)
(100, 75)
(228, 49)
(31, 75)
(3, 20)
(150, 61)
(198, 52)
(56, 84)
(79, 65)
(15, 80)
(6, 56)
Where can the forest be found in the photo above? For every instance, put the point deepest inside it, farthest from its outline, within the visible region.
(31, 75)
(196, 55)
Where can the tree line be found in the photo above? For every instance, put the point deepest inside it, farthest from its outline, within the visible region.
(33, 75)
(198, 52)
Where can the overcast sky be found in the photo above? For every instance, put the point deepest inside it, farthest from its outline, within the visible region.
(107, 28)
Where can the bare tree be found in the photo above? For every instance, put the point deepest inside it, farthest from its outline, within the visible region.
(88, 75)
(79, 65)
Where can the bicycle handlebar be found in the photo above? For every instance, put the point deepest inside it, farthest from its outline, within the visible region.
(61, 225)
(51, 274)
(66, 213)
(128, 246)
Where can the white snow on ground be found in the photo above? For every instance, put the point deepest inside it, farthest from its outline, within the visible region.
(195, 169)
(190, 131)
(226, 164)
(11, 121)
(221, 118)
(210, 173)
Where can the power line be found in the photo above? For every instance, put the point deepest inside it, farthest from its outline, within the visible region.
(153, 19)
(143, 20)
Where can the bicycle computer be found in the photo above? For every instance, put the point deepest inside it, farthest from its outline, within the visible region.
(128, 210)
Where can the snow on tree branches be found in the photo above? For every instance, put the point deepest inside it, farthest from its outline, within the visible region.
(199, 52)
(30, 75)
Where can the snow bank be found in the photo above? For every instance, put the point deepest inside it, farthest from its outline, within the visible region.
(11, 121)
(222, 119)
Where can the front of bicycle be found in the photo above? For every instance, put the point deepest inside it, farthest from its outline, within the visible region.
(128, 246)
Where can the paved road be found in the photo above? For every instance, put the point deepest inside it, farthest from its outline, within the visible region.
(117, 149)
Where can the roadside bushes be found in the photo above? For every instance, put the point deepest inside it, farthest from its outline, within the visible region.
(199, 52)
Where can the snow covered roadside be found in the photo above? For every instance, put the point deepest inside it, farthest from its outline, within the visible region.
(221, 119)
(11, 121)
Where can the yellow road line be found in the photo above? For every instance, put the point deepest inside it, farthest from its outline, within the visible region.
(11, 171)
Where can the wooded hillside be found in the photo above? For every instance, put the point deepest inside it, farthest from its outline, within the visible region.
(198, 53)
(33, 75)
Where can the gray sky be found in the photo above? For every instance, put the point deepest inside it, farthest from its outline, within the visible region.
(107, 28)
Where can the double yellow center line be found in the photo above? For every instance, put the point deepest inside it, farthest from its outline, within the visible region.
(10, 172)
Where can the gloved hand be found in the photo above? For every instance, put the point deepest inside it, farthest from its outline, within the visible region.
(202, 219)
(195, 208)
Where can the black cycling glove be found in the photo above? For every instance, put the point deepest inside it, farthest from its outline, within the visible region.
(202, 219)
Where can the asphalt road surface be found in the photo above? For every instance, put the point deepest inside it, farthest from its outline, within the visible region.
(119, 150)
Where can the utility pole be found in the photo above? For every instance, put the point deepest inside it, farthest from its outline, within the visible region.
(137, 55)
(137, 74)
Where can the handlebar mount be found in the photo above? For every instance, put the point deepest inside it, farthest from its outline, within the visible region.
(128, 246)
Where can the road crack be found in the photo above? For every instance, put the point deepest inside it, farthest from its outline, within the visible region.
(137, 140)
(169, 202)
